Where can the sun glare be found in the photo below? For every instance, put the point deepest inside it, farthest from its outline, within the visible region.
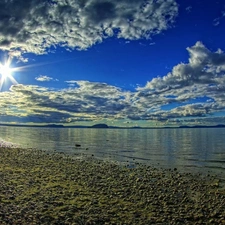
(6, 73)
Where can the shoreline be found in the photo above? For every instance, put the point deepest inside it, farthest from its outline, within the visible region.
(37, 187)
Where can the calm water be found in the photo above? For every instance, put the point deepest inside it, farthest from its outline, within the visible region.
(199, 150)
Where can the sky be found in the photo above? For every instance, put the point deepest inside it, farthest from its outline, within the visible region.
(123, 62)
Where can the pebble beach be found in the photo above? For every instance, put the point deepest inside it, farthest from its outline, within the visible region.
(38, 187)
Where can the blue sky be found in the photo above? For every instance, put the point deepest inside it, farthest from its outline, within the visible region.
(126, 63)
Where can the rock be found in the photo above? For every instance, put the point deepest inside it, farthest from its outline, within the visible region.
(78, 145)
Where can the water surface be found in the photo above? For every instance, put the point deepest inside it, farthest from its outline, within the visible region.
(186, 149)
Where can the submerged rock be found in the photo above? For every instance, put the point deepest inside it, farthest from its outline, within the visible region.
(77, 145)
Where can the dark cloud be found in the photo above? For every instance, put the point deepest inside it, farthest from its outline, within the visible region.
(98, 12)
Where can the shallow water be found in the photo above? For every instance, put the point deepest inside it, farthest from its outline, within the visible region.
(198, 150)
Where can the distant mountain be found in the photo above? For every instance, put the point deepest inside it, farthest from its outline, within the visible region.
(24, 125)
(20, 125)
(53, 125)
(136, 127)
(220, 125)
(100, 125)
(184, 126)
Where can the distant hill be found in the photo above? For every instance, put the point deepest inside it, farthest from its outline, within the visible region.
(136, 127)
(53, 125)
(184, 127)
(202, 126)
(24, 125)
(100, 125)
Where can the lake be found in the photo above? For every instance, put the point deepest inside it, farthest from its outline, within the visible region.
(194, 150)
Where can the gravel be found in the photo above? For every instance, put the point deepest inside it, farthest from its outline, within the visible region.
(41, 188)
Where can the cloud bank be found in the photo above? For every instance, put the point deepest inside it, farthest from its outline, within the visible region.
(191, 90)
(35, 26)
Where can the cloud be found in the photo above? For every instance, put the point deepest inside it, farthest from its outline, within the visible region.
(35, 26)
(204, 67)
(43, 78)
(191, 90)
(86, 102)
(216, 21)
(208, 121)
(188, 9)
(202, 78)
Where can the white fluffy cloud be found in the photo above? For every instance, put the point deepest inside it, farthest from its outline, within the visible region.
(191, 90)
(44, 78)
(35, 26)
(204, 67)
(202, 78)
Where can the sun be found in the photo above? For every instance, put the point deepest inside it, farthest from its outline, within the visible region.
(6, 72)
